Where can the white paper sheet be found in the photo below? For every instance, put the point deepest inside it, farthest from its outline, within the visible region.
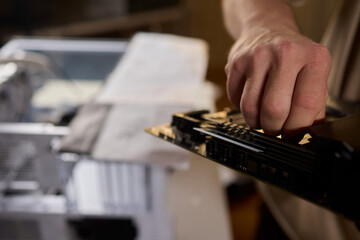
(159, 75)
(158, 66)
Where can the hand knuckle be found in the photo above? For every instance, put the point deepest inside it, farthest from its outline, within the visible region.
(286, 47)
(237, 63)
(274, 109)
(320, 55)
(286, 51)
(232, 57)
(260, 52)
(311, 102)
(248, 109)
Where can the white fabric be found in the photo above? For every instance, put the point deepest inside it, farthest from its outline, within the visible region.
(302, 220)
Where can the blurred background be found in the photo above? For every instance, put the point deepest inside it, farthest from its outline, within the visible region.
(121, 19)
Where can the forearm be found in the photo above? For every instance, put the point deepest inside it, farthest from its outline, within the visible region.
(241, 16)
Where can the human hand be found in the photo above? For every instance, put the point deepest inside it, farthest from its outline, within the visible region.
(278, 79)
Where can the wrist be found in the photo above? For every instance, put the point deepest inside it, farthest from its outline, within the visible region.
(271, 23)
(276, 15)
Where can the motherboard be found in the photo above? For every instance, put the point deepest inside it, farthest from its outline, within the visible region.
(322, 169)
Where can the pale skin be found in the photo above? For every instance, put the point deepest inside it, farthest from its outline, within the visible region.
(275, 75)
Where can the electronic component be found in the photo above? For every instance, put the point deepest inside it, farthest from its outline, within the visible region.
(323, 171)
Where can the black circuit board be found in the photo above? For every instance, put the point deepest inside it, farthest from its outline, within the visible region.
(306, 170)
